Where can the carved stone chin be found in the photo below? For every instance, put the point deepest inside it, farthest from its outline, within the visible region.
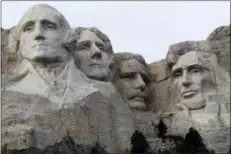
(137, 105)
(194, 105)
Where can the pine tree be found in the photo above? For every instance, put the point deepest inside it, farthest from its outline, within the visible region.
(139, 143)
(162, 129)
(193, 142)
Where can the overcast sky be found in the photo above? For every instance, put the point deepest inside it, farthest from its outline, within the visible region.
(147, 28)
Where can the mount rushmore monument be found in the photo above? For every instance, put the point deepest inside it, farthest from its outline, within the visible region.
(59, 80)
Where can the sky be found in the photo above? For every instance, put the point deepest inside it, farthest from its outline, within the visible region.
(143, 27)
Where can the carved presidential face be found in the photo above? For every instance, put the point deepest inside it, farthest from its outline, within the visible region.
(93, 59)
(131, 81)
(42, 33)
(192, 78)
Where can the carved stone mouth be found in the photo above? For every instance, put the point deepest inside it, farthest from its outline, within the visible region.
(138, 98)
(40, 45)
(189, 93)
(95, 64)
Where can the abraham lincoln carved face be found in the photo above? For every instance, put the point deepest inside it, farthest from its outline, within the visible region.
(193, 77)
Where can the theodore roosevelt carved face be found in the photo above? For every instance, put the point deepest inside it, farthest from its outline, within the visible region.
(131, 79)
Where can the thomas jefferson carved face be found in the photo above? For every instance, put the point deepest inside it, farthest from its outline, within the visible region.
(131, 81)
(93, 58)
(42, 32)
(193, 78)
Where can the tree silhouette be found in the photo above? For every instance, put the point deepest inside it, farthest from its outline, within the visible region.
(139, 143)
(162, 129)
(193, 143)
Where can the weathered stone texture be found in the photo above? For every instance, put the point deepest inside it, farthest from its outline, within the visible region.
(33, 121)
(220, 44)
(90, 110)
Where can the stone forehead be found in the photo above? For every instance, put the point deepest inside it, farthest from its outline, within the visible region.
(125, 56)
(89, 35)
(76, 32)
(132, 65)
(178, 49)
(206, 59)
(41, 11)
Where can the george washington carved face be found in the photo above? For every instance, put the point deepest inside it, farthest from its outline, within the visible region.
(42, 30)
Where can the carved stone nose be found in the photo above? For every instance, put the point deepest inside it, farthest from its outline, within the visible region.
(39, 37)
(97, 55)
(186, 83)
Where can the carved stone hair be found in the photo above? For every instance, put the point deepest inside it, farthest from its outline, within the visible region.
(179, 49)
(125, 56)
(76, 32)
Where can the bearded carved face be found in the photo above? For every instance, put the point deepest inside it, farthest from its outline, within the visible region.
(93, 59)
(131, 81)
(193, 79)
(42, 34)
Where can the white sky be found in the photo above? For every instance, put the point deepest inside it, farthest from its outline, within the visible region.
(147, 28)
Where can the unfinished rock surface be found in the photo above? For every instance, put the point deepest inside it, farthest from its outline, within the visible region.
(220, 45)
(159, 86)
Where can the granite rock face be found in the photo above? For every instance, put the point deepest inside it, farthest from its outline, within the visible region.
(8, 50)
(33, 121)
(220, 45)
(46, 96)
(159, 87)
(44, 100)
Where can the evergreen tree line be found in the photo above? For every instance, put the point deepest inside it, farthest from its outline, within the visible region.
(190, 144)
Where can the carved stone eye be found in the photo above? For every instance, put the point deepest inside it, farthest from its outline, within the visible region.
(100, 46)
(28, 29)
(195, 70)
(50, 26)
(128, 75)
(176, 74)
(85, 46)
